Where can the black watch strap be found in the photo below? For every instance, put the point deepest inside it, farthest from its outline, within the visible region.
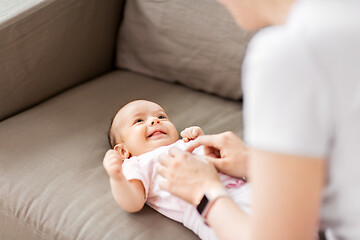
(208, 200)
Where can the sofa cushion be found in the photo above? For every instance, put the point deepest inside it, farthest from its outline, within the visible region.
(196, 43)
(53, 183)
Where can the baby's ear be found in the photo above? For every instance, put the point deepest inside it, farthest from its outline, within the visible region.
(121, 149)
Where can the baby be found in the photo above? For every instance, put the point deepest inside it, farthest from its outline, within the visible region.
(139, 133)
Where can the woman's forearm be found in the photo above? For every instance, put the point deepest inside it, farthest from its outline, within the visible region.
(130, 195)
(228, 220)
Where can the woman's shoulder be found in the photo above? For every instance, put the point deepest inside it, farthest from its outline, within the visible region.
(272, 46)
(311, 25)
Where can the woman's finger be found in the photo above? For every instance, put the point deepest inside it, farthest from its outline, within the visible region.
(161, 170)
(164, 185)
(218, 163)
(206, 140)
(174, 151)
(163, 159)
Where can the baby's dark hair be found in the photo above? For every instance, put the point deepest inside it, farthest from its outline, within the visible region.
(111, 137)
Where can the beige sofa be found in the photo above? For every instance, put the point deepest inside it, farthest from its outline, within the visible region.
(66, 66)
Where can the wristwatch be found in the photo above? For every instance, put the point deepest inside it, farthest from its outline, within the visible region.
(209, 199)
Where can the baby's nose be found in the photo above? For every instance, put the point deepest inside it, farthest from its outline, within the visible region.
(154, 121)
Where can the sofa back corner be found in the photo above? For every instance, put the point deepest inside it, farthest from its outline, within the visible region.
(47, 46)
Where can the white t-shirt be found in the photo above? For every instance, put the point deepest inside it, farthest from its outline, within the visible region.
(302, 97)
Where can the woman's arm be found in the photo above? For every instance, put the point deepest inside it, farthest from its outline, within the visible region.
(285, 202)
(292, 189)
(286, 194)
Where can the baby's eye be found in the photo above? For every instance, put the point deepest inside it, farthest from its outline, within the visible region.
(162, 117)
(138, 121)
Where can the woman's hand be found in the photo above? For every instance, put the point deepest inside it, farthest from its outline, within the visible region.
(226, 151)
(188, 176)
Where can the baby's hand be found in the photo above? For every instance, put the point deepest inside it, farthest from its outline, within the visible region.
(191, 133)
(112, 163)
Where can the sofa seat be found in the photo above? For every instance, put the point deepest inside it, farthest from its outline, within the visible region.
(53, 184)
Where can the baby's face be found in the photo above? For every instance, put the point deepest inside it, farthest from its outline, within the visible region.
(143, 126)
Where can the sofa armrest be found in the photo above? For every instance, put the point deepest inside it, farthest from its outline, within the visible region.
(47, 46)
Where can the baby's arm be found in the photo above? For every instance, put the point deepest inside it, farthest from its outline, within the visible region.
(130, 195)
(191, 133)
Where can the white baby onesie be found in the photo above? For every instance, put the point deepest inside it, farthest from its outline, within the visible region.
(143, 168)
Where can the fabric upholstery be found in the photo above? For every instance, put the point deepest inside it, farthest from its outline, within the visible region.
(11, 228)
(16, 10)
(48, 46)
(196, 43)
(53, 184)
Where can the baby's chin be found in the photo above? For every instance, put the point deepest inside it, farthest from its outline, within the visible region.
(156, 143)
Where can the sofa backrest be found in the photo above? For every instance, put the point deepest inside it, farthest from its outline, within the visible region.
(47, 46)
(196, 43)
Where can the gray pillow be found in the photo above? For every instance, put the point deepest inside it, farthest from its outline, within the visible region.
(194, 42)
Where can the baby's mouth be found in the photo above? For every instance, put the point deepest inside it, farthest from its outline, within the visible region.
(156, 133)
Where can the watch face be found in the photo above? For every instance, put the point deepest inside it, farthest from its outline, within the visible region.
(204, 201)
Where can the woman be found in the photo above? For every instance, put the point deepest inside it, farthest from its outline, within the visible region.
(302, 127)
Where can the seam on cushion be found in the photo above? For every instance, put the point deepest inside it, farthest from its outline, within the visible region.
(24, 223)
